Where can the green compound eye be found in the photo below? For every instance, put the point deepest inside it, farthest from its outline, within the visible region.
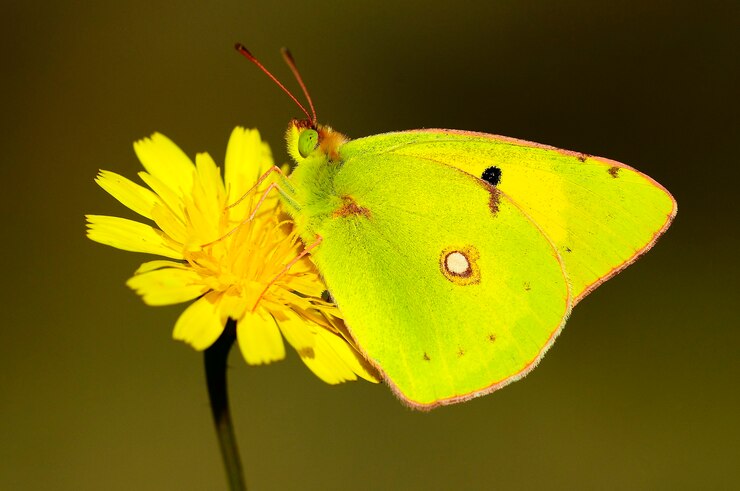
(307, 142)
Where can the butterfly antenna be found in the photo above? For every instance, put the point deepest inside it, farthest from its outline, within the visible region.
(288, 57)
(245, 52)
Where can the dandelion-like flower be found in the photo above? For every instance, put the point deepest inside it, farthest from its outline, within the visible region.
(234, 268)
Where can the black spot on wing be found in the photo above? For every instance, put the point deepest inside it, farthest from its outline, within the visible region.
(492, 175)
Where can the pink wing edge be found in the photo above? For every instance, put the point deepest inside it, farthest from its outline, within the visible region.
(551, 340)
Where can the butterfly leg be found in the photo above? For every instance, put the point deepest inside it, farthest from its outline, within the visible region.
(286, 195)
(287, 267)
(272, 170)
(262, 200)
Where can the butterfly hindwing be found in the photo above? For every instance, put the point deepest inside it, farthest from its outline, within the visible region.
(446, 284)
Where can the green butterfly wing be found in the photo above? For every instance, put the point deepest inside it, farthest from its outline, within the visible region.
(454, 278)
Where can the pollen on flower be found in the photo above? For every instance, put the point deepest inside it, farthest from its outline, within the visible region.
(230, 266)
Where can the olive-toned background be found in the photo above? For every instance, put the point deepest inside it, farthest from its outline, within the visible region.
(640, 392)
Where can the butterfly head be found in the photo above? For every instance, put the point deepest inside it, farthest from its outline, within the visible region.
(307, 139)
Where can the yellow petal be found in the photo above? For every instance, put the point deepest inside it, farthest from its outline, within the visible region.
(170, 199)
(130, 236)
(169, 224)
(165, 161)
(199, 324)
(351, 355)
(351, 358)
(259, 338)
(328, 355)
(325, 360)
(161, 263)
(247, 158)
(232, 306)
(296, 330)
(205, 207)
(209, 176)
(135, 197)
(167, 286)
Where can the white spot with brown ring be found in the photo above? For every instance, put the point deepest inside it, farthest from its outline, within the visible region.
(459, 265)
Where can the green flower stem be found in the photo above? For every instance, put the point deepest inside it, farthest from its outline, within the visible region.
(215, 358)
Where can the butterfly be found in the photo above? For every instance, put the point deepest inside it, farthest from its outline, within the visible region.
(455, 257)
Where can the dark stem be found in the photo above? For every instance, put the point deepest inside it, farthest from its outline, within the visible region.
(215, 358)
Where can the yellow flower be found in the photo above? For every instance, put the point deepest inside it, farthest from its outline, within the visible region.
(222, 259)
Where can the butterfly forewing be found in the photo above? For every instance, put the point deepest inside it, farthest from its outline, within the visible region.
(601, 214)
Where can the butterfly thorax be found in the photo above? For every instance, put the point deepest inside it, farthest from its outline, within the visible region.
(312, 179)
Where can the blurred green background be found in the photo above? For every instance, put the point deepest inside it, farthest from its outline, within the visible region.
(641, 390)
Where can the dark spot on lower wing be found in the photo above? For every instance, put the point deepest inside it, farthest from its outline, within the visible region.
(613, 171)
(462, 274)
(582, 157)
(459, 265)
(426, 356)
(350, 208)
(491, 337)
(527, 286)
(460, 352)
(567, 249)
(493, 202)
